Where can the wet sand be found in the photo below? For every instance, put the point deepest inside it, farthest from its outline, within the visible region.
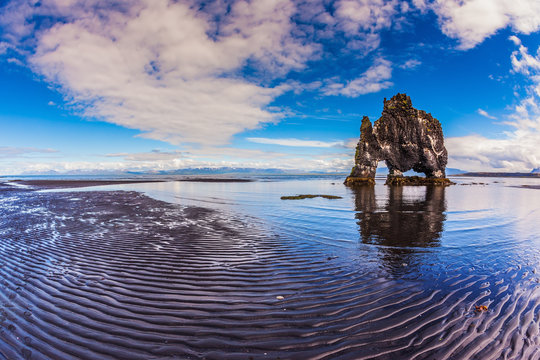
(118, 275)
(530, 187)
(66, 184)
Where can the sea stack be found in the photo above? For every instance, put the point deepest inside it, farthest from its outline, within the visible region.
(405, 138)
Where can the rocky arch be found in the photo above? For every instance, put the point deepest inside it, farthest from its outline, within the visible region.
(405, 138)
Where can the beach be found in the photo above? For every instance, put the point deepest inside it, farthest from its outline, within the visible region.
(122, 274)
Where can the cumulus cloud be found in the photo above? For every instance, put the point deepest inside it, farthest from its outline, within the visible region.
(374, 79)
(164, 68)
(362, 20)
(295, 142)
(182, 71)
(191, 72)
(515, 150)
(340, 159)
(484, 113)
(329, 162)
(472, 21)
(356, 24)
(148, 156)
(527, 64)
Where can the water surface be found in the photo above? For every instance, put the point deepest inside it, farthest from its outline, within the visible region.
(228, 270)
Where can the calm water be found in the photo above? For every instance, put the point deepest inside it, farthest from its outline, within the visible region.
(384, 272)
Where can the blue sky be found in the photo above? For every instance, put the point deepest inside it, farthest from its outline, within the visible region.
(157, 84)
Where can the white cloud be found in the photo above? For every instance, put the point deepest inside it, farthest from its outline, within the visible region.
(329, 162)
(174, 70)
(410, 64)
(4, 46)
(358, 23)
(341, 159)
(472, 21)
(515, 150)
(374, 79)
(362, 20)
(148, 156)
(351, 143)
(422, 5)
(15, 61)
(484, 113)
(295, 142)
(11, 152)
(526, 64)
(162, 68)
(515, 40)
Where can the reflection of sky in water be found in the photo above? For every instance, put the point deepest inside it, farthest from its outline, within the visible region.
(384, 270)
(405, 224)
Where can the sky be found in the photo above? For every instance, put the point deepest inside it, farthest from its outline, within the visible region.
(145, 85)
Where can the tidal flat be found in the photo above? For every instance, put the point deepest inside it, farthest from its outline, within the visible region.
(227, 270)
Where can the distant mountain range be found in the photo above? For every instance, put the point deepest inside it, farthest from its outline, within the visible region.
(453, 171)
(534, 173)
(215, 171)
(230, 170)
(256, 171)
(502, 174)
(186, 171)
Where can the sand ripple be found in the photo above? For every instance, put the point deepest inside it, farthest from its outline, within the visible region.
(117, 275)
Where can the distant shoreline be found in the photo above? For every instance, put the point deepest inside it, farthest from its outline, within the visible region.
(77, 183)
(60, 184)
(500, 174)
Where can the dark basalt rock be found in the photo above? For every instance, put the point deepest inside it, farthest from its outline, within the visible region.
(405, 138)
(417, 180)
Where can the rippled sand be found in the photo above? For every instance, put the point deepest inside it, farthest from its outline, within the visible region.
(119, 275)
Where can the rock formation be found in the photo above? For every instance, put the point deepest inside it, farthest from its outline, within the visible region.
(405, 138)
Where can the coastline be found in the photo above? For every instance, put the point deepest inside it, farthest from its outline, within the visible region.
(79, 183)
(178, 281)
(500, 174)
(68, 184)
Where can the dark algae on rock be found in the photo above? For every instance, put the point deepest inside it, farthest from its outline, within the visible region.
(405, 138)
(416, 181)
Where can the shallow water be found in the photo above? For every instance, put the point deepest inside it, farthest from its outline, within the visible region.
(384, 272)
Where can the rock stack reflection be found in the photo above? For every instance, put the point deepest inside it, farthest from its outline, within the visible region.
(405, 222)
